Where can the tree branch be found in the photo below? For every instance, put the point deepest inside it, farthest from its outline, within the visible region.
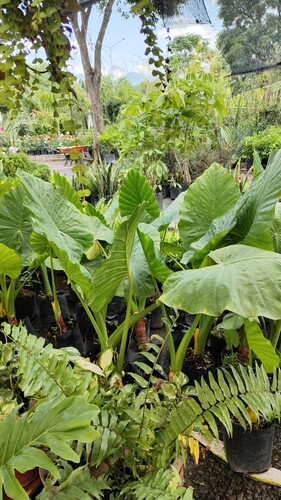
(102, 31)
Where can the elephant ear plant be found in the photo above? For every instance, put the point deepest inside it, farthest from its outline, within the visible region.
(229, 258)
(16, 254)
(65, 229)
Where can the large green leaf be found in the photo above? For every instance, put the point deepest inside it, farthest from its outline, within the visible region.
(261, 346)
(113, 272)
(100, 231)
(135, 190)
(218, 229)
(171, 214)
(255, 217)
(158, 269)
(56, 219)
(275, 229)
(139, 271)
(15, 225)
(10, 262)
(211, 196)
(66, 190)
(49, 424)
(244, 280)
(96, 220)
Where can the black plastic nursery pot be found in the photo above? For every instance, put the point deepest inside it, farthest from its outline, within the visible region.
(25, 304)
(70, 338)
(249, 451)
(46, 313)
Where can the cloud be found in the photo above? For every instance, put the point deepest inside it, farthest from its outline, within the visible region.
(75, 69)
(205, 30)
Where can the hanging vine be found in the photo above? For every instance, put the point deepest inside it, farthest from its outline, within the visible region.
(33, 27)
(41, 27)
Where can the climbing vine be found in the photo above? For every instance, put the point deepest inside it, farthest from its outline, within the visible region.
(33, 31)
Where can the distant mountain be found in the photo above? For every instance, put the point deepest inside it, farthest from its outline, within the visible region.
(134, 78)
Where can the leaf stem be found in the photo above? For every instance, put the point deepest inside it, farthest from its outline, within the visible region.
(126, 326)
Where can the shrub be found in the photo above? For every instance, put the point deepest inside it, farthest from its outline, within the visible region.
(264, 142)
(12, 161)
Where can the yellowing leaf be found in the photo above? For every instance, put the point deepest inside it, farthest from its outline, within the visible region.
(194, 448)
(87, 365)
(106, 358)
(93, 251)
(252, 414)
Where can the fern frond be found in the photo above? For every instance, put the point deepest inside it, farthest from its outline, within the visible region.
(43, 373)
(160, 485)
(111, 440)
(235, 392)
(75, 484)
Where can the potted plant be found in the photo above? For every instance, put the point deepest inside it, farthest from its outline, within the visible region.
(227, 238)
(250, 450)
(105, 178)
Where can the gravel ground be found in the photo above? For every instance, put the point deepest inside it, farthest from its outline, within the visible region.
(214, 480)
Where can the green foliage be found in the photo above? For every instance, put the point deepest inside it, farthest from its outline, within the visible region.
(43, 26)
(264, 142)
(75, 484)
(109, 140)
(250, 37)
(135, 190)
(105, 179)
(133, 435)
(49, 424)
(114, 94)
(162, 485)
(14, 161)
(225, 397)
(50, 213)
(45, 372)
(203, 223)
(174, 119)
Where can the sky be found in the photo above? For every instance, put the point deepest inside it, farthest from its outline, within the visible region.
(124, 47)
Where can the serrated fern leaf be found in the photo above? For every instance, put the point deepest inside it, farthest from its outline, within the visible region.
(160, 485)
(238, 391)
(42, 372)
(111, 439)
(76, 484)
(50, 425)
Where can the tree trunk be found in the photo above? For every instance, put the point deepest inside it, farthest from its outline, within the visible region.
(92, 73)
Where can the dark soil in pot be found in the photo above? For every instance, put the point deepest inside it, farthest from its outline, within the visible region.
(70, 338)
(196, 367)
(72, 297)
(217, 346)
(156, 319)
(29, 326)
(116, 307)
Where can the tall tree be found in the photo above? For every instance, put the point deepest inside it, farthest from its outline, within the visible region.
(92, 73)
(252, 31)
(45, 24)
